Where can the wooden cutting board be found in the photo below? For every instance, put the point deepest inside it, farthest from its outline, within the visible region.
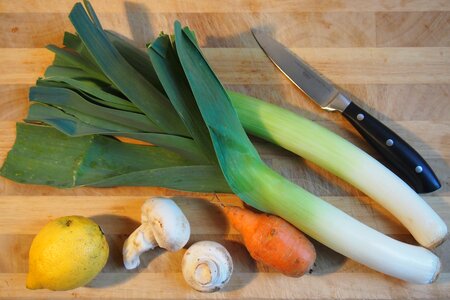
(393, 55)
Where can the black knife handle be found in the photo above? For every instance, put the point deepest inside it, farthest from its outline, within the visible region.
(401, 157)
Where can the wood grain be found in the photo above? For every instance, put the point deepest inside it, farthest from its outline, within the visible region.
(14, 105)
(235, 6)
(230, 30)
(203, 212)
(391, 56)
(250, 66)
(413, 29)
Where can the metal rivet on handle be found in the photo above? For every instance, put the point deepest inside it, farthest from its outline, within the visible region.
(389, 142)
(360, 117)
(418, 169)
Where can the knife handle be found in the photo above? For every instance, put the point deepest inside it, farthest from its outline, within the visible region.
(401, 157)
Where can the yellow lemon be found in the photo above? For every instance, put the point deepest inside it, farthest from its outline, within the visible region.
(67, 253)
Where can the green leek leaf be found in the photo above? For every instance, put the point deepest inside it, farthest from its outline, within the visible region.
(196, 178)
(136, 58)
(74, 42)
(91, 90)
(177, 88)
(133, 55)
(130, 82)
(69, 99)
(92, 14)
(65, 57)
(42, 155)
(75, 124)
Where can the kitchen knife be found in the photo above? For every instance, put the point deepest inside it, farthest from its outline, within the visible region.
(401, 158)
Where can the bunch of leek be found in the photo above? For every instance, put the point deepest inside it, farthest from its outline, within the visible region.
(100, 84)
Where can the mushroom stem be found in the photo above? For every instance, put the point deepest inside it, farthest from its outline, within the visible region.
(140, 241)
(203, 272)
(207, 266)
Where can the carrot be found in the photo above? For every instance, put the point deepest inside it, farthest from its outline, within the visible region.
(273, 241)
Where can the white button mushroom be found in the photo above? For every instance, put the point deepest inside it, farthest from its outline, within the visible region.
(207, 266)
(163, 225)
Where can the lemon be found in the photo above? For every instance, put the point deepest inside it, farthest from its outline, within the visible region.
(67, 253)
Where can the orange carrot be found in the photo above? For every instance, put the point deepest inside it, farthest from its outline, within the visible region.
(273, 241)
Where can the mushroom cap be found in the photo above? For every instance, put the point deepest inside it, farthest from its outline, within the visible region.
(207, 266)
(169, 225)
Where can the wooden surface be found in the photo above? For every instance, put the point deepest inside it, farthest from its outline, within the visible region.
(393, 55)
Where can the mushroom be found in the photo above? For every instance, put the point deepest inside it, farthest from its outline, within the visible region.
(163, 225)
(207, 266)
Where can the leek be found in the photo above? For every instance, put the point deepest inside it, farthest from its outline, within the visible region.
(345, 160)
(261, 187)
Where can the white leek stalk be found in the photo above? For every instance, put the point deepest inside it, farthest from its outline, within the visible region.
(334, 228)
(345, 160)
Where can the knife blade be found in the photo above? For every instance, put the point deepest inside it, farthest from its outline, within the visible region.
(399, 156)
